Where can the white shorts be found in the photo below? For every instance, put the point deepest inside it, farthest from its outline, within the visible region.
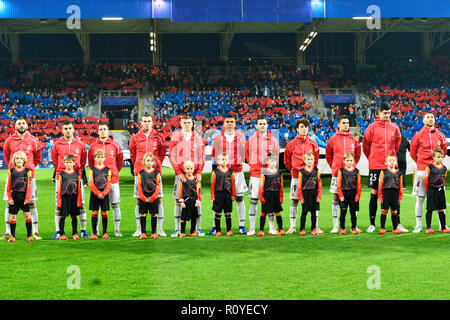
(114, 193)
(254, 183)
(56, 192)
(333, 185)
(241, 185)
(419, 186)
(136, 194)
(294, 186)
(33, 191)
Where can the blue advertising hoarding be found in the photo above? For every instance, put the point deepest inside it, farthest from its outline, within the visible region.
(222, 11)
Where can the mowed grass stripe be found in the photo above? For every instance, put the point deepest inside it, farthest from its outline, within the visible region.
(329, 266)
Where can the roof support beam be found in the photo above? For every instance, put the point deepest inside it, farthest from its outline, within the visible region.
(4, 40)
(360, 49)
(11, 41)
(425, 44)
(374, 37)
(225, 42)
(84, 40)
(438, 39)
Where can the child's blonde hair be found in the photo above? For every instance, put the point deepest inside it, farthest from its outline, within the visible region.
(20, 154)
(188, 163)
(308, 154)
(149, 155)
(272, 156)
(349, 155)
(99, 152)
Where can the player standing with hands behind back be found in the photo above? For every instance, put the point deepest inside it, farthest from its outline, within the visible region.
(271, 194)
(294, 162)
(422, 146)
(147, 140)
(381, 139)
(22, 140)
(69, 144)
(186, 145)
(341, 143)
(114, 161)
(232, 142)
(257, 148)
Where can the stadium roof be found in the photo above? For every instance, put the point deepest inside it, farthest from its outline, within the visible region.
(8, 26)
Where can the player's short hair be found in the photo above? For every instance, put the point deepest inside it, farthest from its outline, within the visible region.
(21, 118)
(438, 151)
(103, 124)
(188, 163)
(390, 155)
(261, 117)
(343, 117)
(229, 116)
(66, 123)
(146, 115)
(385, 106)
(186, 117)
(149, 155)
(428, 112)
(99, 152)
(349, 155)
(308, 154)
(69, 157)
(304, 122)
(19, 154)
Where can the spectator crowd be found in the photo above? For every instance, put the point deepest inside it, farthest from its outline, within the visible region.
(47, 94)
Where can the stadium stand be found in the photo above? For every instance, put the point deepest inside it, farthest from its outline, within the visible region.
(47, 95)
(245, 94)
(412, 88)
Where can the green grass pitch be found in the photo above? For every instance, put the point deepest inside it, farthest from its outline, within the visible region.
(328, 266)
